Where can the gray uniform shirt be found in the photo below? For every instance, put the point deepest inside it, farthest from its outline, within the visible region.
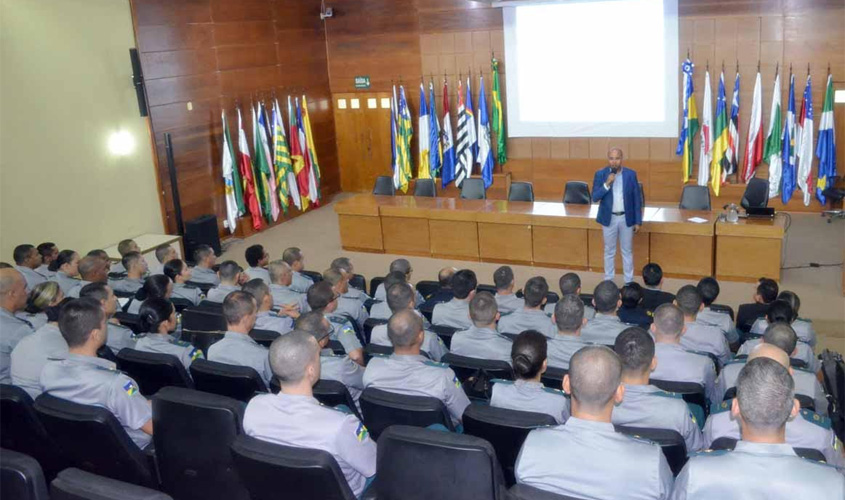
(802, 327)
(590, 460)
(561, 347)
(218, 294)
(380, 310)
(204, 275)
(66, 283)
(74, 292)
(97, 382)
(127, 285)
(603, 329)
(183, 291)
(12, 330)
(676, 364)
(432, 344)
(283, 295)
(258, 273)
(418, 376)
(527, 319)
(118, 337)
(350, 304)
(301, 421)
(31, 276)
(524, 395)
(165, 344)
(36, 320)
(268, 320)
(509, 303)
(757, 471)
(343, 332)
(720, 320)
(31, 354)
(803, 352)
(648, 406)
(482, 343)
(589, 312)
(806, 383)
(706, 338)
(44, 270)
(241, 350)
(343, 370)
(381, 294)
(454, 313)
(300, 283)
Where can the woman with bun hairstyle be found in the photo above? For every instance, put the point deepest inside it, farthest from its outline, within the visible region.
(41, 297)
(66, 267)
(157, 317)
(157, 286)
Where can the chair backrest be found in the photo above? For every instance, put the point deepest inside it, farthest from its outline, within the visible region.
(264, 337)
(521, 191)
(426, 288)
(695, 198)
(576, 192)
(334, 393)
(525, 492)
(131, 321)
(425, 187)
(180, 304)
(445, 333)
(671, 442)
(314, 275)
(692, 392)
(193, 432)
(358, 281)
(473, 189)
(268, 469)
(75, 484)
(204, 287)
(92, 439)
(374, 283)
(22, 431)
(210, 305)
(369, 325)
(723, 443)
(505, 429)
(21, 477)
(756, 194)
(723, 308)
(384, 185)
(378, 350)
(382, 409)
(233, 381)
(469, 370)
(152, 370)
(416, 464)
(553, 377)
(486, 288)
(200, 319)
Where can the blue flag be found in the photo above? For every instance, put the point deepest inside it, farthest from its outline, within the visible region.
(788, 151)
(447, 138)
(485, 152)
(826, 149)
(435, 151)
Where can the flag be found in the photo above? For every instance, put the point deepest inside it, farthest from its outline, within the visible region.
(234, 198)
(435, 149)
(463, 168)
(406, 131)
(285, 178)
(720, 161)
(314, 170)
(471, 130)
(706, 149)
(774, 142)
(448, 174)
(754, 140)
(249, 184)
(423, 145)
(826, 149)
(732, 153)
(265, 164)
(394, 141)
(498, 119)
(788, 151)
(305, 176)
(296, 156)
(485, 152)
(804, 141)
(690, 122)
(260, 164)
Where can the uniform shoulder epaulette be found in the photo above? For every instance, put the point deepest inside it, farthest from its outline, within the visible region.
(435, 363)
(667, 394)
(737, 361)
(372, 356)
(708, 452)
(181, 343)
(501, 381)
(336, 319)
(190, 287)
(815, 418)
(720, 407)
(700, 353)
(641, 439)
(805, 320)
(556, 392)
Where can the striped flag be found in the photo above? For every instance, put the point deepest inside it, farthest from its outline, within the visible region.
(485, 152)
(720, 143)
(297, 157)
(394, 141)
(448, 174)
(826, 149)
(733, 134)
(690, 122)
(788, 151)
(423, 146)
(265, 164)
(285, 177)
(706, 149)
(804, 142)
(435, 149)
(471, 129)
(464, 151)
(754, 139)
(249, 184)
(234, 198)
(406, 131)
(774, 142)
(304, 178)
(498, 119)
(314, 171)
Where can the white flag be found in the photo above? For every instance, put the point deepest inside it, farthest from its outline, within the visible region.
(705, 155)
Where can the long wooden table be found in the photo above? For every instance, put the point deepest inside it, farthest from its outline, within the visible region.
(555, 235)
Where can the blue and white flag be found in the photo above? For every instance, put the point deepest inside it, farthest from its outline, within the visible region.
(826, 149)
(485, 152)
(788, 154)
(804, 142)
(435, 149)
(448, 174)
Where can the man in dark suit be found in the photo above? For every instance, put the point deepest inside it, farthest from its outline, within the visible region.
(766, 293)
(617, 191)
(653, 296)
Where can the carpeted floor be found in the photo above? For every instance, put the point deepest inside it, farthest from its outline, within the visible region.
(809, 239)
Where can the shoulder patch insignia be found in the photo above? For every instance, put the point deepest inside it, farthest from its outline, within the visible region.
(361, 432)
(181, 343)
(195, 353)
(666, 394)
(720, 407)
(708, 452)
(130, 388)
(501, 381)
(456, 381)
(552, 390)
(817, 419)
(435, 363)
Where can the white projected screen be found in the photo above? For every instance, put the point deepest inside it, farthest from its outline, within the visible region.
(592, 68)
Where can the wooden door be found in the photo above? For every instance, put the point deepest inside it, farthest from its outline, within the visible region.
(362, 122)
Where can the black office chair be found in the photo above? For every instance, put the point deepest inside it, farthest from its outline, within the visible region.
(425, 187)
(204, 287)
(180, 304)
(131, 321)
(586, 298)
(756, 194)
(475, 374)
(268, 470)
(521, 191)
(671, 443)
(726, 443)
(525, 492)
(21, 477)
(212, 306)
(723, 309)
(695, 198)
(193, 432)
(486, 288)
(804, 400)
(92, 439)
(202, 327)
(692, 393)
(152, 370)
(314, 275)
(75, 484)
(374, 283)
(426, 288)
(233, 381)
(473, 189)
(359, 282)
(576, 192)
(369, 325)
(264, 337)
(382, 409)
(444, 332)
(374, 350)
(505, 429)
(21, 430)
(334, 393)
(423, 464)
(552, 297)
(553, 377)
(384, 185)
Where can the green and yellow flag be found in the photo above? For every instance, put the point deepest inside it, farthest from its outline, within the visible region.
(498, 119)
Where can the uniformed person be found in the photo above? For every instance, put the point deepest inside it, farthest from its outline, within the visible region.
(526, 392)
(401, 266)
(645, 405)
(700, 336)
(605, 325)
(229, 273)
(570, 284)
(136, 268)
(709, 290)
(765, 294)
(344, 266)
(12, 329)
(381, 310)
(406, 371)
(530, 316)
(49, 252)
(322, 299)
(676, 363)
(400, 297)
(803, 352)
(83, 378)
(784, 309)
(333, 366)
(164, 254)
(158, 318)
(180, 273)
(118, 336)
(442, 294)
(349, 304)
(294, 257)
(281, 277)
(67, 268)
(586, 457)
(157, 286)
(455, 313)
(568, 319)
(506, 299)
(481, 340)
(237, 347)
(257, 258)
(293, 417)
(41, 297)
(631, 310)
(267, 319)
(92, 270)
(123, 248)
(27, 260)
(203, 271)
(32, 352)
(762, 465)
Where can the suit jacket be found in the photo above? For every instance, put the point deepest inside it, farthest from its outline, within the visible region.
(747, 314)
(630, 195)
(652, 299)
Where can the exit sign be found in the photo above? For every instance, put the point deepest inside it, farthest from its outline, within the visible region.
(362, 82)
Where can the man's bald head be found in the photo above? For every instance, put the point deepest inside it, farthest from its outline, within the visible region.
(772, 352)
(12, 290)
(444, 277)
(594, 376)
(8, 277)
(781, 335)
(765, 393)
(292, 355)
(404, 328)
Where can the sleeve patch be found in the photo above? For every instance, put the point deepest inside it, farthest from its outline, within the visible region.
(130, 388)
(361, 432)
(456, 381)
(195, 353)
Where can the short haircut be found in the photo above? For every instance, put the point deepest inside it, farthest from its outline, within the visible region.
(606, 296)
(503, 277)
(403, 328)
(21, 253)
(594, 375)
(65, 257)
(528, 352)
(444, 277)
(535, 291)
(765, 392)
(463, 282)
(314, 323)
(174, 268)
(569, 313)
(635, 349)
(153, 313)
(237, 305)
(125, 246)
(342, 264)
(99, 253)
(333, 276)
(781, 335)
(401, 265)
(53, 312)
(399, 296)
(258, 289)
(254, 254)
(292, 354)
(278, 269)
(131, 259)
(46, 248)
(792, 299)
(162, 251)
(229, 270)
(767, 289)
(669, 320)
(709, 290)
(569, 283)
(632, 294)
(89, 265)
(8, 280)
(201, 252)
(652, 274)
(320, 295)
(78, 318)
(483, 308)
(689, 300)
(155, 287)
(393, 278)
(41, 296)
(292, 255)
(95, 291)
(780, 310)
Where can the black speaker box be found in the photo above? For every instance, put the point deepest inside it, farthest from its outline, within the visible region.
(201, 231)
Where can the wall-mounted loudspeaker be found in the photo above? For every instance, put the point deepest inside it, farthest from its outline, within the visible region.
(138, 82)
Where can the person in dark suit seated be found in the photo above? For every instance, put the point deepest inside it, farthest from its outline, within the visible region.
(632, 311)
(747, 314)
(653, 296)
(444, 294)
